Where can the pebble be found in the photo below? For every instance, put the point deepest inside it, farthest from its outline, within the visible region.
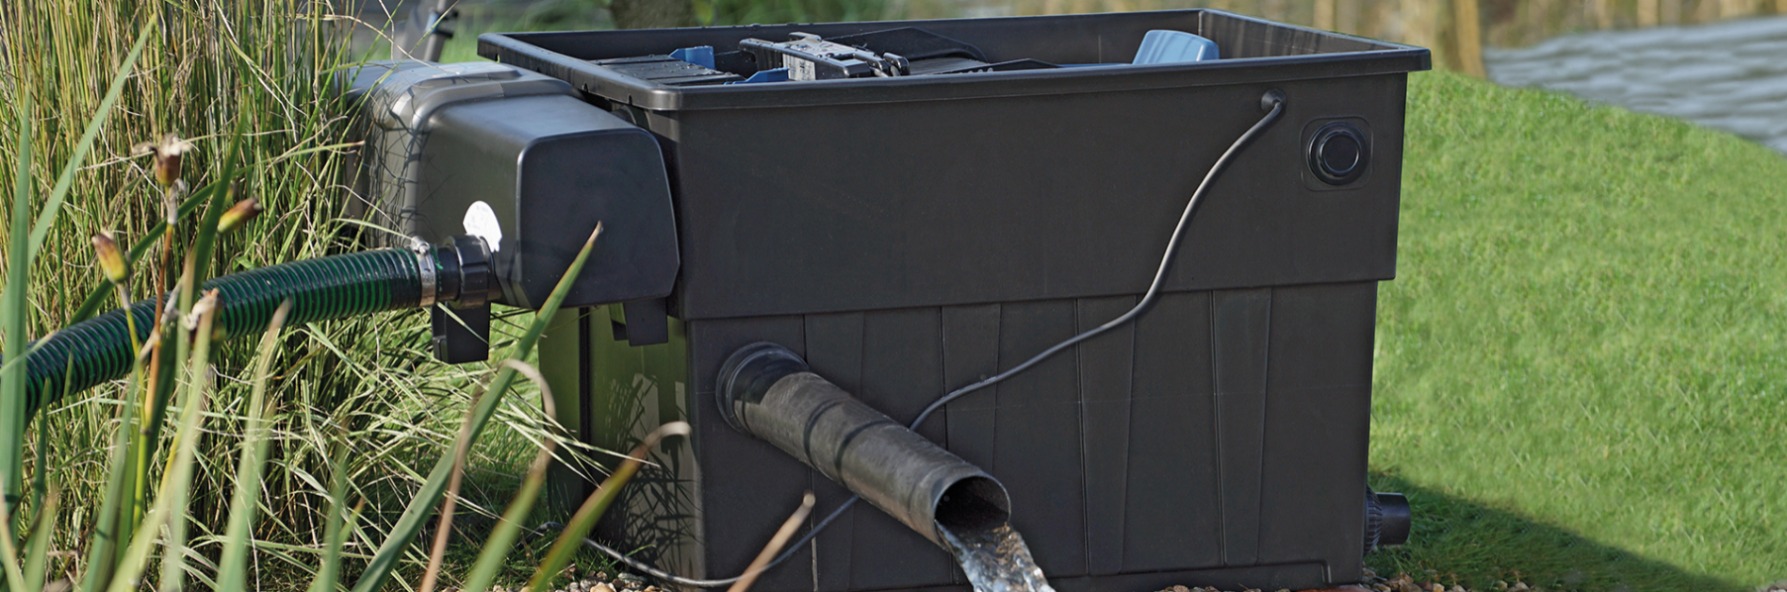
(597, 582)
(1407, 583)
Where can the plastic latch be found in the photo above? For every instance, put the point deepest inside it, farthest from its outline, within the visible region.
(1162, 46)
(770, 75)
(700, 55)
(641, 322)
(441, 23)
(460, 334)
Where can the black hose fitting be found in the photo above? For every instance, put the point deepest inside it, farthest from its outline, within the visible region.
(464, 278)
(463, 274)
(1387, 520)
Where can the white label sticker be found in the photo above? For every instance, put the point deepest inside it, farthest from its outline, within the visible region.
(480, 221)
(799, 69)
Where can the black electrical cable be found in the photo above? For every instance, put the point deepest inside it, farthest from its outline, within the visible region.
(1272, 101)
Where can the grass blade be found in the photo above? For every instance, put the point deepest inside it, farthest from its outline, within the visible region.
(37, 556)
(443, 529)
(206, 238)
(9, 556)
(585, 519)
(12, 410)
(335, 531)
(502, 536)
(100, 549)
(53, 204)
(176, 483)
(783, 534)
(12, 316)
(410, 523)
(232, 568)
(152, 402)
(99, 295)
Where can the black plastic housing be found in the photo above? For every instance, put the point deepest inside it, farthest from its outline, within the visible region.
(910, 235)
(546, 166)
(845, 195)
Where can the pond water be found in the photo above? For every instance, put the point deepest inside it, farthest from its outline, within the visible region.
(1730, 76)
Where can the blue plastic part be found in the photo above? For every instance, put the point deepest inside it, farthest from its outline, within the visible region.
(770, 75)
(700, 55)
(1162, 46)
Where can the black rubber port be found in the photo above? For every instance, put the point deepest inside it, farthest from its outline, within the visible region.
(1387, 520)
(748, 373)
(1339, 153)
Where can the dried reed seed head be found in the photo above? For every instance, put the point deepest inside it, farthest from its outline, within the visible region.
(206, 304)
(239, 214)
(167, 158)
(111, 260)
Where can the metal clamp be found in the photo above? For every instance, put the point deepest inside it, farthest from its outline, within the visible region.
(425, 265)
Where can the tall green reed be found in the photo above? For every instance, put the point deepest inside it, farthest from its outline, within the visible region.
(249, 83)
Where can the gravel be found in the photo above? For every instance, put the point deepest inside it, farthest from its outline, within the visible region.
(1400, 583)
(602, 582)
(596, 582)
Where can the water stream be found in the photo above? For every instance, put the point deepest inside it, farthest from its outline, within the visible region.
(996, 560)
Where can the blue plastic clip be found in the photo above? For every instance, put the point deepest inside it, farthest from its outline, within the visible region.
(770, 75)
(700, 55)
(1163, 46)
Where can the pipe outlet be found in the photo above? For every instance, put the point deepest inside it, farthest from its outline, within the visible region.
(767, 391)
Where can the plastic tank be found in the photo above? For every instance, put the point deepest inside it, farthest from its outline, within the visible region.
(909, 234)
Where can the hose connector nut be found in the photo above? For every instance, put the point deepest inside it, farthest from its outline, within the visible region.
(465, 276)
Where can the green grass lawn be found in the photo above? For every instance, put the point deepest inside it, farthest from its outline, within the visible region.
(1581, 374)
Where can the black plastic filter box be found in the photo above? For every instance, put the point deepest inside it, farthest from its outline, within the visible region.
(909, 235)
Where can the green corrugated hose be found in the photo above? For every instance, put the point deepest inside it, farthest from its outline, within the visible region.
(99, 349)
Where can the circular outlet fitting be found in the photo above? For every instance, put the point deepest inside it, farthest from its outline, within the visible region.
(1338, 153)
